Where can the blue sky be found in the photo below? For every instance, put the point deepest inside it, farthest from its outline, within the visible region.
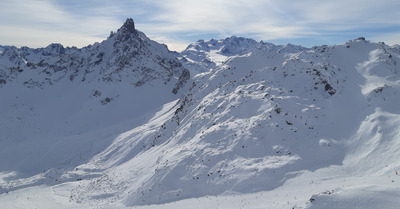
(177, 23)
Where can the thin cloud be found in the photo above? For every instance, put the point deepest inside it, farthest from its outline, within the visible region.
(38, 39)
(173, 44)
(276, 15)
(177, 22)
(28, 12)
(390, 38)
(38, 23)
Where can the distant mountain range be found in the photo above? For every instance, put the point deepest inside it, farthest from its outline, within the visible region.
(126, 56)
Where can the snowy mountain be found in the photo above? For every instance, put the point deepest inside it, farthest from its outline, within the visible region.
(53, 97)
(126, 56)
(203, 56)
(258, 126)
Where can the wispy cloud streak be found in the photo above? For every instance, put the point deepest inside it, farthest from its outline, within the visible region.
(177, 22)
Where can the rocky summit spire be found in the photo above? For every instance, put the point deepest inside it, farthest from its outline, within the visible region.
(128, 27)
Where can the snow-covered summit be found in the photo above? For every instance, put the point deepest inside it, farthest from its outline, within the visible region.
(237, 46)
(129, 26)
(127, 55)
(229, 46)
(205, 55)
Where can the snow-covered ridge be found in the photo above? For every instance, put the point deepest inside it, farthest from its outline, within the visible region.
(260, 126)
(53, 97)
(205, 55)
(127, 55)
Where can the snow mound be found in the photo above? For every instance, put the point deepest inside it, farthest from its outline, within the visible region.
(371, 196)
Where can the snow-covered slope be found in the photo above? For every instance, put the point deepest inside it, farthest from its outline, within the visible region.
(258, 120)
(268, 127)
(60, 106)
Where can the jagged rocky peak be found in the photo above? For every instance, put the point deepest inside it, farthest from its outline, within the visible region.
(128, 27)
(127, 32)
(54, 48)
(127, 56)
(237, 45)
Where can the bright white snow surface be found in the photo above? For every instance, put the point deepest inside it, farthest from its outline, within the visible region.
(276, 127)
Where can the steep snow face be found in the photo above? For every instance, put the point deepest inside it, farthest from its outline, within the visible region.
(257, 120)
(61, 105)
